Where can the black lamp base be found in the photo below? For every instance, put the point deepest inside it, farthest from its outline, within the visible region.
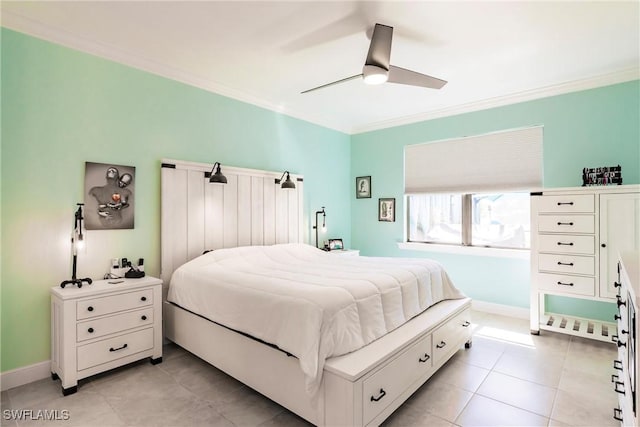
(77, 282)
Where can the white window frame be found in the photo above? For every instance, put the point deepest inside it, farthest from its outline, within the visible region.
(465, 247)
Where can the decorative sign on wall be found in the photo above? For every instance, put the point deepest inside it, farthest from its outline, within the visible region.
(606, 175)
(109, 196)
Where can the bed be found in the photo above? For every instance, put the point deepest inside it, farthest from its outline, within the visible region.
(336, 340)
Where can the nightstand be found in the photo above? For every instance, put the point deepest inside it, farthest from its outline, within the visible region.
(102, 326)
(346, 252)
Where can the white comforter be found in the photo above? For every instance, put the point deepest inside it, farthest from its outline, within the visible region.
(309, 303)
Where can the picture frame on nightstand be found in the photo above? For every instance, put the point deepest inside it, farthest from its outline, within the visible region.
(336, 245)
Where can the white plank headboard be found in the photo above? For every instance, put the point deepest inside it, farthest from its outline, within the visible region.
(251, 209)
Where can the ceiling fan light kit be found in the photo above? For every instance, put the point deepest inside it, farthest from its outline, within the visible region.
(374, 75)
(378, 70)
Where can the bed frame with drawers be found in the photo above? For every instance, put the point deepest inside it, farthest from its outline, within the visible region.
(360, 388)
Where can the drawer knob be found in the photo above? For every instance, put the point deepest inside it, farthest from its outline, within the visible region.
(441, 345)
(565, 244)
(570, 264)
(565, 203)
(119, 348)
(565, 223)
(617, 317)
(604, 245)
(620, 302)
(617, 285)
(90, 330)
(565, 284)
(621, 344)
(617, 364)
(617, 414)
(90, 308)
(380, 395)
(143, 299)
(144, 317)
(466, 324)
(424, 359)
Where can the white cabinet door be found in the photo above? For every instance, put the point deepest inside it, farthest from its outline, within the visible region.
(619, 232)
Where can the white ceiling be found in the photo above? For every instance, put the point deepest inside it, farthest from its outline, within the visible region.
(266, 53)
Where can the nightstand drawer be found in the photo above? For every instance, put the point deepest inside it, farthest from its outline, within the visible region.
(566, 224)
(571, 264)
(109, 325)
(106, 305)
(566, 243)
(567, 204)
(567, 284)
(110, 349)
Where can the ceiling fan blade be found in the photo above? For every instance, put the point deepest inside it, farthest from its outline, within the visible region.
(408, 77)
(332, 83)
(380, 48)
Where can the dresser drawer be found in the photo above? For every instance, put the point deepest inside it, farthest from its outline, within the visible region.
(110, 349)
(566, 224)
(387, 384)
(451, 335)
(106, 305)
(572, 264)
(568, 244)
(567, 284)
(109, 325)
(569, 204)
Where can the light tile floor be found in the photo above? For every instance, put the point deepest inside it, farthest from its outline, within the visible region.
(508, 377)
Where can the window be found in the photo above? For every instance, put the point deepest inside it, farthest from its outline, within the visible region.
(499, 220)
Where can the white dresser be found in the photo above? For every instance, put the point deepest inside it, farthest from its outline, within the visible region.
(625, 378)
(576, 235)
(104, 325)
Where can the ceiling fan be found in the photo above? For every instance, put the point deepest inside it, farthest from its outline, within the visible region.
(377, 69)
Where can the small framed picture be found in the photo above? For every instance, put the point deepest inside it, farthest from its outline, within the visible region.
(336, 245)
(387, 210)
(363, 187)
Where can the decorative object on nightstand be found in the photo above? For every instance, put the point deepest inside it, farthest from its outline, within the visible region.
(77, 242)
(101, 327)
(363, 187)
(336, 245)
(287, 183)
(387, 210)
(324, 224)
(217, 176)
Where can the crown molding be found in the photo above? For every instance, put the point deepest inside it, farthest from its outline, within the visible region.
(621, 76)
(36, 29)
(39, 30)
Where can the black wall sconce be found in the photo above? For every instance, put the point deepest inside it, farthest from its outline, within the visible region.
(288, 183)
(216, 177)
(324, 223)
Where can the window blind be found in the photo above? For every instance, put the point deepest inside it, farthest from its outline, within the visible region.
(502, 161)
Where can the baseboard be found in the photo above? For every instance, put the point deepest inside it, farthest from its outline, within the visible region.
(25, 375)
(501, 309)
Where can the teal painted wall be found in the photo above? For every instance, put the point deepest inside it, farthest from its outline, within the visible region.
(590, 128)
(61, 108)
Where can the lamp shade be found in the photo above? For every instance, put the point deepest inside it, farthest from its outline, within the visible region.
(217, 177)
(287, 183)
